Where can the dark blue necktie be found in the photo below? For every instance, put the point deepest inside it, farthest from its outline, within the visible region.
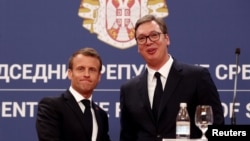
(88, 117)
(157, 95)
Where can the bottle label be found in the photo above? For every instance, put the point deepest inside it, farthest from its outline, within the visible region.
(183, 128)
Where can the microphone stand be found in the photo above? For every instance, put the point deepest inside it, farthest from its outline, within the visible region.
(233, 117)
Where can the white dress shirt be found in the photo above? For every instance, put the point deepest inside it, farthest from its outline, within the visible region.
(164, 71)
(78, 97)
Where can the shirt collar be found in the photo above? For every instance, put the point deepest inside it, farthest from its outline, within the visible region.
(78, 97)
(164, 70)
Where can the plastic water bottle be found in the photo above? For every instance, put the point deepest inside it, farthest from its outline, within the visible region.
(183, 123)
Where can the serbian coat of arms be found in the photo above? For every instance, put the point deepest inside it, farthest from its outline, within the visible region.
(113, 20)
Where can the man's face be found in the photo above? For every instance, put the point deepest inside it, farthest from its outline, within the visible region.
(154, 52)
(85, 74)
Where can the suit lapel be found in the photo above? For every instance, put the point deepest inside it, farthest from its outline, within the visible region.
(71, 102)
(143, 91)
(172, 81)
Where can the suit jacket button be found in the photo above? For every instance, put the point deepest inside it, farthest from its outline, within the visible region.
(158, 136)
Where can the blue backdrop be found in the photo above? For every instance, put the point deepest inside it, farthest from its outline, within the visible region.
(38, 36)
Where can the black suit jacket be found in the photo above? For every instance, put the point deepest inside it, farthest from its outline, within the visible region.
(61, 119)
(185, 83)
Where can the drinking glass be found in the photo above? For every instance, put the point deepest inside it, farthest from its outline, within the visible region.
(203, 118)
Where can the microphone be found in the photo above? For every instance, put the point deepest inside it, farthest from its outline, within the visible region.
(233, 117)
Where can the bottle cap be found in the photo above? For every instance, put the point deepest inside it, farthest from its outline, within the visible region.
(183, 104)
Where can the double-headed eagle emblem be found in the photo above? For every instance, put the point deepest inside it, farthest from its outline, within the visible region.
(113, 20)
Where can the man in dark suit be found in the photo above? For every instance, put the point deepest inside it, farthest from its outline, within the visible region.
(63, 118)
(181, 83)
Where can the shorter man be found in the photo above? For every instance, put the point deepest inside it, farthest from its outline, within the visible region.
(63, 118)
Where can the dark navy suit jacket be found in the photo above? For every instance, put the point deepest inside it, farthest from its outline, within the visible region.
(185, 83)
(61, 119)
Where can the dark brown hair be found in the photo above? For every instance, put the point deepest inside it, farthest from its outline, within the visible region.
(87, 51)
(148, 18)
